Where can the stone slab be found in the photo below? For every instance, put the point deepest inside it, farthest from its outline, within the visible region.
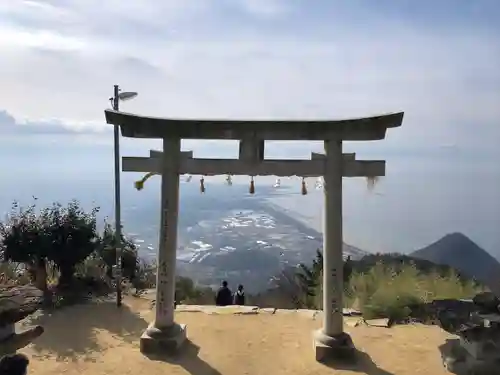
(243, 310)
(168, 344)
(191, 308)
(351, 312)
(248, 309)
(231, 310)
(383, 322)
(268, 310)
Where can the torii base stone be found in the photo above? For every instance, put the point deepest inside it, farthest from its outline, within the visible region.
(167, 341)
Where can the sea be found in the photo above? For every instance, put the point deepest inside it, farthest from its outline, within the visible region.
(223, 233)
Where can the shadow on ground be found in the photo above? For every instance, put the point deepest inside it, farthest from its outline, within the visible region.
(71, 333)
(360, 362)
(188, 359)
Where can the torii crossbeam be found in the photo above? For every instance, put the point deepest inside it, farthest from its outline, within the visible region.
(213, 167)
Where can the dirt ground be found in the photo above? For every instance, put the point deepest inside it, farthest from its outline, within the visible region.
(99, 339)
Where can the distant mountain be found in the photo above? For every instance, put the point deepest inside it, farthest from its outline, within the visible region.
(460, 252)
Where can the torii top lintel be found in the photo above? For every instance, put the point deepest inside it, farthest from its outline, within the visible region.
(362, 129)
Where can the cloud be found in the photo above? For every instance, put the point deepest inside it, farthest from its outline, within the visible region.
(265, 8)
(252, 58)
(437, 61)
(10, 125)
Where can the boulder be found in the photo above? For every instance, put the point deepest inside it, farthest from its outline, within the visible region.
(17, 302)
(487, 302)
(19, 340)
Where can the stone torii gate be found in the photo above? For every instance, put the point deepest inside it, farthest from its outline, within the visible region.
(164, 334)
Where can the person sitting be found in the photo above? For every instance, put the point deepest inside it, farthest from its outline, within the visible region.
(224, 295)
(239, 296)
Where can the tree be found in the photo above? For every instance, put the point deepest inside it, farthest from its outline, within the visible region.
(310, 278)
(64, 235)
(24, 239)
(107, 251)
(73, 236)
(287, 289)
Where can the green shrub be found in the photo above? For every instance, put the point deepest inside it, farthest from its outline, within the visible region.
(389, 287)
(383, 292)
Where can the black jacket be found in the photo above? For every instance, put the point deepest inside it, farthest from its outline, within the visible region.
(239, 298)
(224, 297)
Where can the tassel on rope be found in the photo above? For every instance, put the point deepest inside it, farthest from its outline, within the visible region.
(139, 185)
(188, 179)
(229, 180)
(371, 181)
(304, 187)
(202, 185)
(252, 186)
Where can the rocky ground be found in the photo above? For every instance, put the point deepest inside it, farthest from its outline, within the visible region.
(99, 338)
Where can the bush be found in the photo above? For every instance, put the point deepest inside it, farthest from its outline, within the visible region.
(49, 247)
(389, 287)
(61, 236)
(24, 239)
(73, 237)
(383, 292)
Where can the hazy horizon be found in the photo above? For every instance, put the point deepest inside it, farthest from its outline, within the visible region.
(406, 211)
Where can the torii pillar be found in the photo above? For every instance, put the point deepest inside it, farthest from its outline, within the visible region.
(164, 334)
(331, 340)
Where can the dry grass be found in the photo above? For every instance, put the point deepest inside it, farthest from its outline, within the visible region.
(101, 339)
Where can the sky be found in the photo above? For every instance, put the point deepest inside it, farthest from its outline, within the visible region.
(436, 61)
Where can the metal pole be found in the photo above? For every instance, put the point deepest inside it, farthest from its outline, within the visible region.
(118, 222)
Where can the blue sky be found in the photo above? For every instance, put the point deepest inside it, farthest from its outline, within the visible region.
(437, 61)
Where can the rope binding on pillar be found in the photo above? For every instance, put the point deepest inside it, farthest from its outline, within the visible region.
(139, 185)
(304, 187)
(252, 186)
(202, 185)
